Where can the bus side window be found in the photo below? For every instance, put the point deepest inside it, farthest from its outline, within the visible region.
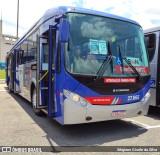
(32, 47)
(45, 49)
(24, 48)
(20, 57)
(150, 40)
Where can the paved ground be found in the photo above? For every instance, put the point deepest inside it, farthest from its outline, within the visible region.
(19, 126)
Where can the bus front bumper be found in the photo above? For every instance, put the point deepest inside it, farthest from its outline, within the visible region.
(74, 114)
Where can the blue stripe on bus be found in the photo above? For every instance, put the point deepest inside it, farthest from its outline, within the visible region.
(17, 81)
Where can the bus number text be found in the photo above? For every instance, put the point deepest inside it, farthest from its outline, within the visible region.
(133, 97)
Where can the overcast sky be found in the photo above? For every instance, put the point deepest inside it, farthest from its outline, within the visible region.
(145, 12)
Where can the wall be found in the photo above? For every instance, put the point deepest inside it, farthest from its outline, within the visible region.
(6, 43)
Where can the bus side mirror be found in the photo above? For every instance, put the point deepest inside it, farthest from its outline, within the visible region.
(64, 30)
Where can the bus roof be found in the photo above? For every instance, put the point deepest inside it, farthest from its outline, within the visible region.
(66, 9)
(153, 29)
(60, 10)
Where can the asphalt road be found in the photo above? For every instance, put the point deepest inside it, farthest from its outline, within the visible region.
(19, 126)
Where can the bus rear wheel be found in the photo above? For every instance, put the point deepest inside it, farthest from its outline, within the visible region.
(34, 103)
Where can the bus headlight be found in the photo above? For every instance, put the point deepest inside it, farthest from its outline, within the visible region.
(77, 99)
(146, 97)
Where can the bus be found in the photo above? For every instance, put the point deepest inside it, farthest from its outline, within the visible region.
(152, 38)
(81, 66)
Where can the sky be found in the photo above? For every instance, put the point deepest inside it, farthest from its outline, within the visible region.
(146, 13)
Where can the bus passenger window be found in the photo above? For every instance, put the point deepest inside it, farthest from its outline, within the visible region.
(32, 54)
(32, 47)
(31, 51)
(24, 48)
(150, 40)
(45, 49)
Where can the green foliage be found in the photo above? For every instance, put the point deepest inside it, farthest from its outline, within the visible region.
(2, 74)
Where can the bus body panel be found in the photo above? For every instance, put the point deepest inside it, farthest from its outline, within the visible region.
(152, 37)
(153, 97)
(74, 114)
(27, 76)
(88, 94)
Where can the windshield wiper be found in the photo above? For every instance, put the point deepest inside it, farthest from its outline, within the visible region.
(133, 68)
(129, 64)
(105, 64)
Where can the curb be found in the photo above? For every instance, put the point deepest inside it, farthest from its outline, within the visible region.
(2, 81)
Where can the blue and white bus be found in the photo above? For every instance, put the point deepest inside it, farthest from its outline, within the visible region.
(152, 37)
(81, 66)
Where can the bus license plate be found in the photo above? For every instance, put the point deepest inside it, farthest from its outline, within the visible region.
(118, 113)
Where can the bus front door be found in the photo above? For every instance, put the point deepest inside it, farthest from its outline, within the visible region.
(45, 71)
(42, 72)
(51, 72)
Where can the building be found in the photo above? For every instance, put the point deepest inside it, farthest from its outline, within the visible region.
(6, 43)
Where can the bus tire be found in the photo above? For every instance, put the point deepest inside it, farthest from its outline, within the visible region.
(10, 91)
(34, 103)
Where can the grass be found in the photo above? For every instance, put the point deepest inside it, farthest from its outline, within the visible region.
(2, 74)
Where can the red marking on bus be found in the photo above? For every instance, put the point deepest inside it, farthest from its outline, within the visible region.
(100, 100)
(127, 69)
(119, 80)
(119, 101)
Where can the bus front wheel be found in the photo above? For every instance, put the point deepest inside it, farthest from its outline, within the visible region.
(34, 103)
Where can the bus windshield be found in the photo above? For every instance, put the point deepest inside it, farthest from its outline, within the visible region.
(94, 39)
